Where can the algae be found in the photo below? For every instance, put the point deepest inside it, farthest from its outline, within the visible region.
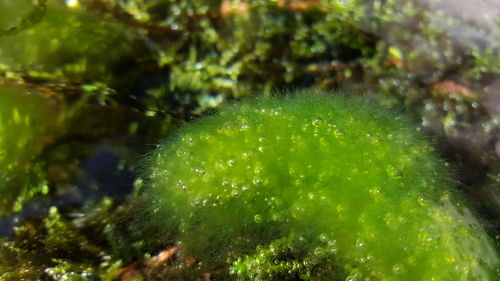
(125, 73)
(358, 185)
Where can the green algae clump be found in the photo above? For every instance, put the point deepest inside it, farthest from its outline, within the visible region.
(313, 187)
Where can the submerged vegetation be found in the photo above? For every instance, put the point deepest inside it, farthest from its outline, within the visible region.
(27, 125)
(88, 86)
(359, 189)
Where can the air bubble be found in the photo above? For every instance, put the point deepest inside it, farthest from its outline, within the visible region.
(277, 217)
(332, 244)
(389, 219)
(339, 133)
(360, 243)
(323, 237)
(340, 208)
(257, 181)
(257, 218)
(245, 127)
(422, 202)
(319, 251)
(398, 269)
(179, 152)
(375, 193)
(392, 172)
(317, 121)
(199, 170)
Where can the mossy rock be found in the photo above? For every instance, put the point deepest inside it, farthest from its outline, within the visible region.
(28, 123)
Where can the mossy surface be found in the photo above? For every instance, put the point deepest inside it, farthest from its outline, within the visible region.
(359, 186)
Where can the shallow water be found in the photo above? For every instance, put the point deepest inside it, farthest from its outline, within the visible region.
(102, 82)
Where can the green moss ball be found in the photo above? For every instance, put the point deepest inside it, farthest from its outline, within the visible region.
(313, 179)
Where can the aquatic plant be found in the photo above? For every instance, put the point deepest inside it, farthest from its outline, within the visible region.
(66, 43)
(313, 186)
(27, 124)
(147, 65)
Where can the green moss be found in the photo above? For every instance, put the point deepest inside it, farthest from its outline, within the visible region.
(27, 124)
(345, 177)
(211, 50)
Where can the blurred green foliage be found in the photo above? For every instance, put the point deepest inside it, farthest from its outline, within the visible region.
(27, 124)
(67, 44)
